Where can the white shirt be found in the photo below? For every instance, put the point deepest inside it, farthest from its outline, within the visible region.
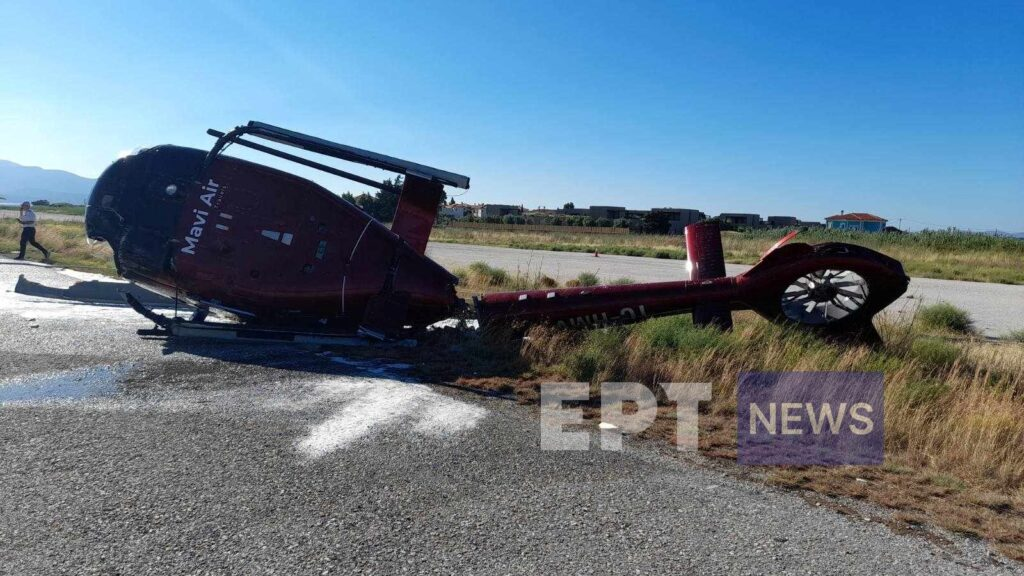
(28, 219)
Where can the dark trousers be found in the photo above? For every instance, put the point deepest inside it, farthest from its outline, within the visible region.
(28, 236)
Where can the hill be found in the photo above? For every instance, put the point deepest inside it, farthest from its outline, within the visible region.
(19, 183)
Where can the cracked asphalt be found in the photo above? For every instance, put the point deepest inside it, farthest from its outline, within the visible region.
(122, 455)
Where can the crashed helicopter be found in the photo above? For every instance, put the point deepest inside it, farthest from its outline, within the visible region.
(287, 259)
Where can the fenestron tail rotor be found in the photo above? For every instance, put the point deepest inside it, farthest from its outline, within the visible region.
(825, 296)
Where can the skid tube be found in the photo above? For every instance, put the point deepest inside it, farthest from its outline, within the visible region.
(180, 328)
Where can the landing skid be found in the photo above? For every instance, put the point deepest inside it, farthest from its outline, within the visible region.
(180, 328)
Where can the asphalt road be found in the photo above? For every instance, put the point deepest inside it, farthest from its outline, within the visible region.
(997, 309)
(130, 456)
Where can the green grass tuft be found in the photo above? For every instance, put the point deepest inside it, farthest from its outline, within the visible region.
(934, 352)
(596, 355)
(945, 316)
(677, 333)
(921, 392)
(490, 275)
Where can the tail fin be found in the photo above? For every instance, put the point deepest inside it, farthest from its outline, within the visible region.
(417, 209)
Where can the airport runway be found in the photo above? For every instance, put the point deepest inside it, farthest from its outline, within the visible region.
(997, 309)
(130, 456)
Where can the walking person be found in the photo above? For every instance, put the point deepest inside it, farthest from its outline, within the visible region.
(28, 232)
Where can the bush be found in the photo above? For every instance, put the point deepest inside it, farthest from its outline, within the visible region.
(1016, 336)
(622, 281)
(587, 279)
(945, 316)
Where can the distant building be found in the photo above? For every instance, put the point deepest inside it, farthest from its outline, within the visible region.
(856, 221)
(782, 221)
(457, 211)
(680, 218)
(573, 211)
(496, 210)
(609, 212)
(744, 220)
(542, 211)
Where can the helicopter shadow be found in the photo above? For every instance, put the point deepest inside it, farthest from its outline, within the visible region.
(358, 361)
(326, 361)
(96, 292)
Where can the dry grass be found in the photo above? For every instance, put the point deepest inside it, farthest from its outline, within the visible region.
(954, 435)
(481, 277)
(65, 241)
(950, 255)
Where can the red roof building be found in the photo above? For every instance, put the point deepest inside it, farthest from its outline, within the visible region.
(856, 221)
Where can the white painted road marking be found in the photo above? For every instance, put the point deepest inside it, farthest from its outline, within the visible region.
(365, 404)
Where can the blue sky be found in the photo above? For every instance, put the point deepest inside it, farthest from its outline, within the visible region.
(911, 110)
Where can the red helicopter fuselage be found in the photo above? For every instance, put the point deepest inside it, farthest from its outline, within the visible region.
(268, 246)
